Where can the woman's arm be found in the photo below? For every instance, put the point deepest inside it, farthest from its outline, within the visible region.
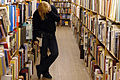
(35, 22)
(54, 14)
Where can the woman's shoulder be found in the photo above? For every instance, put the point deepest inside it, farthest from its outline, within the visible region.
(36, 12)
(53, 7)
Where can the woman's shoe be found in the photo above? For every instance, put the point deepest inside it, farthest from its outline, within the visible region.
(47, 75)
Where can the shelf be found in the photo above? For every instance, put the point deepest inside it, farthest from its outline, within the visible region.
(76, 16)
(111, 54)
(113, 21)
(14, 53)
(95, 12)
(102, 45)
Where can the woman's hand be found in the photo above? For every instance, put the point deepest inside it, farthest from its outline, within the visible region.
(49, 8)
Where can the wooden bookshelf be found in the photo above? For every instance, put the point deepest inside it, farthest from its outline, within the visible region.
(89, 31)
(95, 12)
(110, 53)
(64, 10)
(13, 42)
(14, 53)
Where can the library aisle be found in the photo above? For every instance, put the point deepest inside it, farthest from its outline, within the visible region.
(68, 65)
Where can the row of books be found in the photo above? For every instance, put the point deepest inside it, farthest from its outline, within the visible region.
(106, 32)
(64, 10)
(16, 28)
(12, 67)
(64, 5)
(18, 35)
(75, 27)
(17, 14)
(21, 57)
(96, 60)
(94, 69)
(109, 8)
(64, 23)
(76, 10)
(96, 34)
(65, 16)
(3, 2)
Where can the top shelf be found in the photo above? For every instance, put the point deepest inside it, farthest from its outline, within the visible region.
(95, 12)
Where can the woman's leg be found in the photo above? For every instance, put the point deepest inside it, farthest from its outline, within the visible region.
(43, 57)
(46, 60)
(53, 47)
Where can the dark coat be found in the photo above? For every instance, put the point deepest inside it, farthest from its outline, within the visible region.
(47, 25)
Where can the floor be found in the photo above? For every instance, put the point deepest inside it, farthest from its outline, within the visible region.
(68, 65)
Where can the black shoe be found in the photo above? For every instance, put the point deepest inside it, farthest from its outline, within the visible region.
(38, 73)
(47, 75)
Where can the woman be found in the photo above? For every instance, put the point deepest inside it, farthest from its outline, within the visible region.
(44, 19)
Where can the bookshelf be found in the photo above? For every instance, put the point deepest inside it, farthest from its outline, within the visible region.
(64, 10)
(15, 38)
(96, 26)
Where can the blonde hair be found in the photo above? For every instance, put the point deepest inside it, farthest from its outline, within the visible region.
(43, 8)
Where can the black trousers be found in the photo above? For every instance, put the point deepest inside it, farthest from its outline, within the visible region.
(49, 41)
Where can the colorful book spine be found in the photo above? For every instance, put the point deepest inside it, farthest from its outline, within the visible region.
(15, 17)
(11, 17)
(1, 68)
(119, 11)
(6, 58)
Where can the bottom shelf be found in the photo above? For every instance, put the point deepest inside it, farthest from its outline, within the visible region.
(64, 23)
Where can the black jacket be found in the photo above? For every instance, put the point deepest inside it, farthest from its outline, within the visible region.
(47, 25)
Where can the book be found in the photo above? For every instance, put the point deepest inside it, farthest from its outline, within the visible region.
(22, 35)
(15, 17)
(6, 58)
(29, 31)
(14, 64)
(11, 17)
(1, 68)
(66, 23)
(3, 29)
(2, 57)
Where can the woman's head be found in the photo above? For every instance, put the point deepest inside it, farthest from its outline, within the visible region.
(43, 8)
